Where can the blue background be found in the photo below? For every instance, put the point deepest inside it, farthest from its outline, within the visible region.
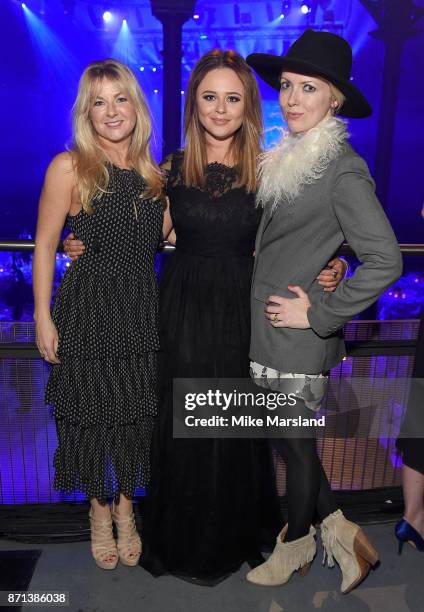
(46, 46)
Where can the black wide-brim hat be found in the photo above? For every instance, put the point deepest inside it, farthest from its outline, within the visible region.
(320, 54)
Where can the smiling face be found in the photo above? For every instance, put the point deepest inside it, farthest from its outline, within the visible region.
(220, 100)
(112, 114)
(305, 101)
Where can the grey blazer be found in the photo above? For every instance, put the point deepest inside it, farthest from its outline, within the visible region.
(295, 243)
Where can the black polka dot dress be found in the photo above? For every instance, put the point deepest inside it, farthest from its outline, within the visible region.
(103, 392)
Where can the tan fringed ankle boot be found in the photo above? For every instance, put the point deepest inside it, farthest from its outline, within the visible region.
(286, 558)
(345, 542)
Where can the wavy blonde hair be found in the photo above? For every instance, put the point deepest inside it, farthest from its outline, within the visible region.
(246, 144)
(89, 159)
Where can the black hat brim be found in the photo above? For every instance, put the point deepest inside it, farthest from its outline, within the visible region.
(269, 67)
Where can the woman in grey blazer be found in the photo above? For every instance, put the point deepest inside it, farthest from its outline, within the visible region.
(316, 193)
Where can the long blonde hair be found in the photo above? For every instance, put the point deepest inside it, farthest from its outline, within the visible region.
(89, 159)
(246, 144)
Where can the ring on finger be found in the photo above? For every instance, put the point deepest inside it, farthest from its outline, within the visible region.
(275, 318)
(334, 273)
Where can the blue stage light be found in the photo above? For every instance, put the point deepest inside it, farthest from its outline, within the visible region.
(154, 69)
(125, 47)
(196, 16)
(107, 16)
(57, 61)
(305, 9)
(141, 68)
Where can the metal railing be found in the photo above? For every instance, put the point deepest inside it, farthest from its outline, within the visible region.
(410, 249)
(355, 348)
(29, 245)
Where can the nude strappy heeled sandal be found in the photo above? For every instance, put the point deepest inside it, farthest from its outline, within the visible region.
(103, 545)
(129, 543)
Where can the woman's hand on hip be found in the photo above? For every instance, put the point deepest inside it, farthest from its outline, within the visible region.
(285, 312)
(72, 247)
(333, 274)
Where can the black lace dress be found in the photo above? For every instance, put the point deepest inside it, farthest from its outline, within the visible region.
(211, 500)
(104, 391)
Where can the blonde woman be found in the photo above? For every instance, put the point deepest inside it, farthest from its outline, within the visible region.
(316, 193)
(101, 337)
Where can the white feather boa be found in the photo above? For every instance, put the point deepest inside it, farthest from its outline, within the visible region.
(297, 160)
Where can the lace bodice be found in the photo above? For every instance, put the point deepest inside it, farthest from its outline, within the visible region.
(218, 220)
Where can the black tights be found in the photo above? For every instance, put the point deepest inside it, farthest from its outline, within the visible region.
(307, 487)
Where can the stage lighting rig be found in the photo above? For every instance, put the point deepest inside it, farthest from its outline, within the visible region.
(96, 19)
(110, 16)
(286, 8)
(269, 11)
(328, 16)
(139, 16)
(241, 18)
(210, 20)
(68, 7)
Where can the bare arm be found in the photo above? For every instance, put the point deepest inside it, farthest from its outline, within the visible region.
(167, 226)
(74, 248)
(168, 232)
(55, 204)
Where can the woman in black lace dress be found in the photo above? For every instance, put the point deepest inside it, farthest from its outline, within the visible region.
(210, 500)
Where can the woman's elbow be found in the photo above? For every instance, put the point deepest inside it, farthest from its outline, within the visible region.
(399, 265)
(46, 246)
(394, 264)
